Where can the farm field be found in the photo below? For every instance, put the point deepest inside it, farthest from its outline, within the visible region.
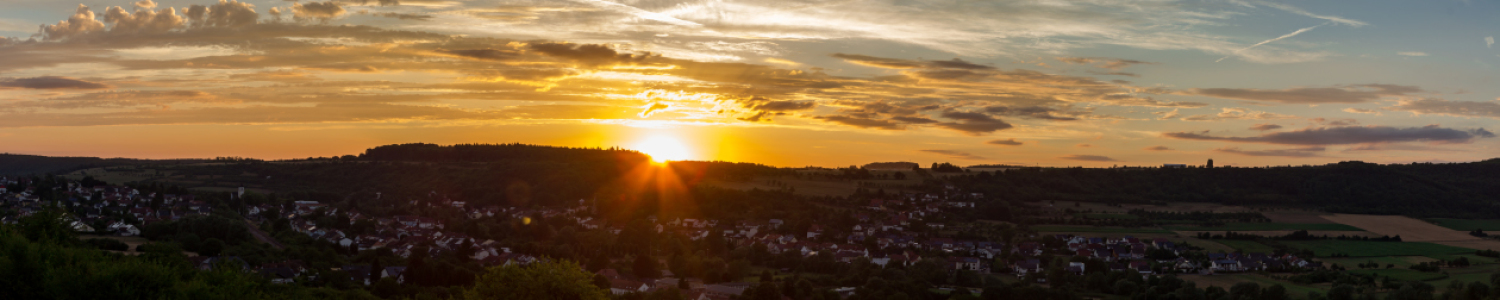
(1096, 229)
(1402, 262)
(1466, 225)
(1269, 226)
(1271, 233)
(1325, 248)
(1111, 216)
(1225, 281)
(1400, 274)
(1177, 207)
(1246, 246)
(1302, 217)
(1413, 230)
(1466, 275)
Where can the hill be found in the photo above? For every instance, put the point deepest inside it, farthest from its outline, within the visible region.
(21, 164)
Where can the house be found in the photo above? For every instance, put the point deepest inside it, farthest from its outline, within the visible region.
(964, 263)
(815, 231)
(1077, 268)
(1142, 267)
(621, 286)
(1028, 266)
(1226, 265)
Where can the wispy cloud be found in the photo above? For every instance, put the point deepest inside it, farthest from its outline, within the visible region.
(1284, 36)
(1412, 53)
(955, 154)
(1350, 135)
(1079, 157)
(1300, 11)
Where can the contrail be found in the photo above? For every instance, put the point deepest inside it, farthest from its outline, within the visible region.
(1294, 33)
(641, 13)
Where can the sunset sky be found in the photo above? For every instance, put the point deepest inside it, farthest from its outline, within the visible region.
(789, 83)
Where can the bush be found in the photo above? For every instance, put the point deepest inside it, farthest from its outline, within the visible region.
(107, 244)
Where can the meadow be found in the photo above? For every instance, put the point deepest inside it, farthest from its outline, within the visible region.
(1326, 248)
(1269, 227)
(1097, 229)
(1246, 246)
(1466, 224)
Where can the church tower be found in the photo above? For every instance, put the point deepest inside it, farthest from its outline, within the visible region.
(1210, 163)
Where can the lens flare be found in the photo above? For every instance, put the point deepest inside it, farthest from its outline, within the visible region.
(663, 148)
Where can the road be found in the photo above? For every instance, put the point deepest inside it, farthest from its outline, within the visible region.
(262, 236)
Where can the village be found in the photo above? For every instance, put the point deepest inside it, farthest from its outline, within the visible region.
(883, 236)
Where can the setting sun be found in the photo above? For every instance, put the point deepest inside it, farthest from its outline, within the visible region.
(663, 148)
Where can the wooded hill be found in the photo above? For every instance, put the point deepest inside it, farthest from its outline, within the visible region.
(1459, 190)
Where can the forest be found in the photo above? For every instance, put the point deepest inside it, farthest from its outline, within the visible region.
(1454, 190)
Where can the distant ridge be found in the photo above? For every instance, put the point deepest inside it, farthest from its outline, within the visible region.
(25, 164)
(899, 165)
(497, 152)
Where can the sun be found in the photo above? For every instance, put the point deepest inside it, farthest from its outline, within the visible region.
(663, 148)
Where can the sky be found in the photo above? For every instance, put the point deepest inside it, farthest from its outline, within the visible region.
(1094, 83)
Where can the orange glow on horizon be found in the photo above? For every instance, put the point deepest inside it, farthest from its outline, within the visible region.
(663, 148)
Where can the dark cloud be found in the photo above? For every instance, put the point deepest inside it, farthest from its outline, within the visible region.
(894, 63)
(1350, 135)
(1157, 148)
(955, 154)
(914, 120)
(1265, 127)
(485, 54)
(1004, 142)
(1347, 94)
(592, 54)
(381, 2)
(1034, 112)
(402, 16)
(1107, 63)
(973, 123)
(780, 106)
(1487, 109)
(317, 10)
(862, 122)
(1335, 122)
(50, 83)
(1294, 152)
(1087, 158)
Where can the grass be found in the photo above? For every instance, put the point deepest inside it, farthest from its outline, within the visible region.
(1268, 227)
(1111, 216)
(1399, 261)
(1324, 248)
(1225, 281)
(1466, 224)
(1246, 246)
(1072, 228)
(1400, 274)
(1473, 259)
(1466, 275)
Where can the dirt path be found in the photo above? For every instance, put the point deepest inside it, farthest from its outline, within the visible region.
(262, 236)
(1413, 230)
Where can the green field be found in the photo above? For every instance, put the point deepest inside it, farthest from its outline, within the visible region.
(1473, 259)
(1269, 227)
(1072, 228)
(1400, 261)
(1111, 216)
(1400, 274)
(1466, 224)
(1246, 246)
(1324, 248)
